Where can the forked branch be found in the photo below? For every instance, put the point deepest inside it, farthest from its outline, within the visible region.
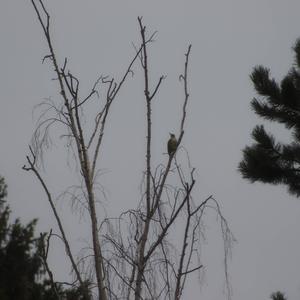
(32, 167)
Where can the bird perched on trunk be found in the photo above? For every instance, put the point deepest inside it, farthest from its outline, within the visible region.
(172, 144)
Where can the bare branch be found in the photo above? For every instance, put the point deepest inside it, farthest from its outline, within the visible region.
(43, 251)
(32, 168)
(157, 86)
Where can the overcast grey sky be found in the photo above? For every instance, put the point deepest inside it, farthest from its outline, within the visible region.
(229, 38)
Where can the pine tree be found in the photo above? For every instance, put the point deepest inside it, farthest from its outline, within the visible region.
(22, 276)
(268, 160)
(278, 296)
(20, 264)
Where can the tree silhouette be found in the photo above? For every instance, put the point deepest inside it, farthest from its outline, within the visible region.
(267, 160)
(20, 264)
(278, 296)
(22, 272)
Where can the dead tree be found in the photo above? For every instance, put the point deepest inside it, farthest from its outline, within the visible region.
(132, 254)
(144, 261)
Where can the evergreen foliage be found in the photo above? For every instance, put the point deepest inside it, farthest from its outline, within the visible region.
(266, 160)
(278, 296)
(20, 264)
(22, 276)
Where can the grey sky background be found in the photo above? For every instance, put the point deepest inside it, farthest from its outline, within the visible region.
(228, 39)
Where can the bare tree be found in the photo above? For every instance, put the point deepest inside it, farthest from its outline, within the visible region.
(133, 256)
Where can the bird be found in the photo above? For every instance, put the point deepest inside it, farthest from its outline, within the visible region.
(172, 144)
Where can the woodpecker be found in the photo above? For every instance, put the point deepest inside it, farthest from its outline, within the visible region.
(172, 144)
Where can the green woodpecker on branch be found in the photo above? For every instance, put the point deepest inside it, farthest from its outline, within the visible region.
(172, 144)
